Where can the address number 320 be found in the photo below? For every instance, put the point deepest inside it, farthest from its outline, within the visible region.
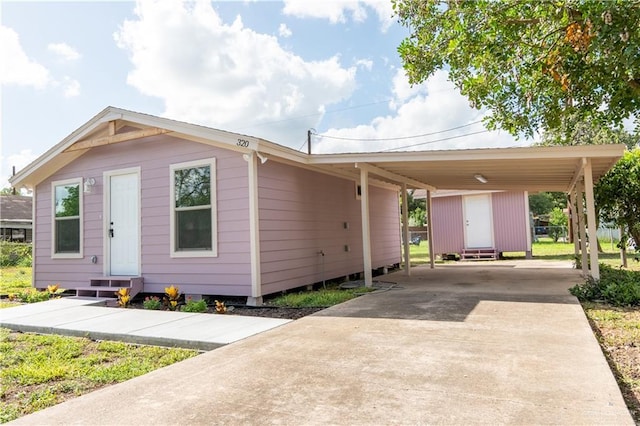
(243, 143)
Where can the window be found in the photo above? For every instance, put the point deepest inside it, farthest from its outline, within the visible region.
(67, 218)
(193, 209)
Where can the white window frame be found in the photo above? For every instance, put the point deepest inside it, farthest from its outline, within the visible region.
(54, 228)
(211, 162)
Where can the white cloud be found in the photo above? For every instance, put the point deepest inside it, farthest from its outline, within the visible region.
(226, 75)
(71, 87)
(337, 11)
(284, 31)
(65, 51)
(428, 110)
(16, 68)
(19, 160)
(365, 63)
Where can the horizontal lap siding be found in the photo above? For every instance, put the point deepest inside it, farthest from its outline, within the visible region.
(448, 233)
(303, 212)
(227, 274)
(509, 221)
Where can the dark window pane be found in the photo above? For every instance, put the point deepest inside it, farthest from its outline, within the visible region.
(68, 200)
(193, 230)
(68, 236)
(193, 186)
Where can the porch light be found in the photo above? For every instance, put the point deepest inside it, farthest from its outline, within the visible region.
(481, 178)
(89, 183)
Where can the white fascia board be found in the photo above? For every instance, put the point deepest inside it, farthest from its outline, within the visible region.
(536, 152)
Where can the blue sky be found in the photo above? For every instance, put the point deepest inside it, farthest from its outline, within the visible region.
(268, 69)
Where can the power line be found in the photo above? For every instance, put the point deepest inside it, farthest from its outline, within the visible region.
(437, 140)
(397, 138)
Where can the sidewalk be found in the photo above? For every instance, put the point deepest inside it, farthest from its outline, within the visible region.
(77, 317)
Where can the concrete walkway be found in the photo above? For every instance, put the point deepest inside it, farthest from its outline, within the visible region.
(472, 344)
(79, 317)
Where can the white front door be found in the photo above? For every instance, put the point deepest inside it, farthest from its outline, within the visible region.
(478, 222)
(123, 223)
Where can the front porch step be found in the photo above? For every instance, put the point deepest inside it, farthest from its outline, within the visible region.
(107, 286)
(488, 253)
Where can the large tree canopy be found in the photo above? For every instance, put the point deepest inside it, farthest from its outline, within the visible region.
(530, 63)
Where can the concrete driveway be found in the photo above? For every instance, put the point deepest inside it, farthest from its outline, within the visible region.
(463, 344)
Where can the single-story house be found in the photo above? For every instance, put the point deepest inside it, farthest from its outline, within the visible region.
(130, 198)
(15, 218)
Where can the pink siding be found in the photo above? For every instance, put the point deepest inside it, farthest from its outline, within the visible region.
(509, 225)
(509, 221)
(303, 213)
(227, 274)
(448, 233)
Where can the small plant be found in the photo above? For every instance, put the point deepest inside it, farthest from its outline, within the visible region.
(195, 306)
(124, 298)
(172, 298)
(220, 307)
(153, 303)
(54, 291)
(30, 295)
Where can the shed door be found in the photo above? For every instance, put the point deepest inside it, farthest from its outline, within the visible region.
(478, 222)
(123, 224)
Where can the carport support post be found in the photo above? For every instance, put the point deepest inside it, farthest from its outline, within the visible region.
(405, 230)
(366, 231)
(582, 230)
(430, 230)
(591, 218)
(574, 223)
(254, 232)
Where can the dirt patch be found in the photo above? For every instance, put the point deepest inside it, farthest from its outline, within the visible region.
(258, 311)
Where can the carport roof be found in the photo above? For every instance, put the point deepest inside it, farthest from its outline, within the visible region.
(555, 168)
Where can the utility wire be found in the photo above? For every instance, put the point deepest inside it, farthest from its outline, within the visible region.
(437, 140)
(396, 138)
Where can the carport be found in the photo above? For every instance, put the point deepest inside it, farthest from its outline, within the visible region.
(569, 169)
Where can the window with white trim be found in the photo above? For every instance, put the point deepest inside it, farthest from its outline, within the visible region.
(193, 209)
(67, 218)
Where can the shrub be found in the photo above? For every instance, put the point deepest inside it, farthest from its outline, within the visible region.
(154, 303)
(15, 254)
(194, 306)
(30, 295)
(617, 287)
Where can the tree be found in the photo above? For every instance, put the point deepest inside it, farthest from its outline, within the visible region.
(533, 64)
(572, 132)
(543, 203)
(558, 221)
(416, 209)
(617, 194)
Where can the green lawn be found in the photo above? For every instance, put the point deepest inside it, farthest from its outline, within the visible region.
(544, 248)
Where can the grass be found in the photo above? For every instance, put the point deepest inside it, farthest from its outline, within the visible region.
(39, 371)
(618, 332)
(14, 279)
(317, 299)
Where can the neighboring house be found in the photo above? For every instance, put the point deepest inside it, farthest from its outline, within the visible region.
(131, 199)
(481, 224)
(16, 224)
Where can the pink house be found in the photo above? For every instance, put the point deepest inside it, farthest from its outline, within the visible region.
(131, 199)
(481, 224)
(135, 200)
